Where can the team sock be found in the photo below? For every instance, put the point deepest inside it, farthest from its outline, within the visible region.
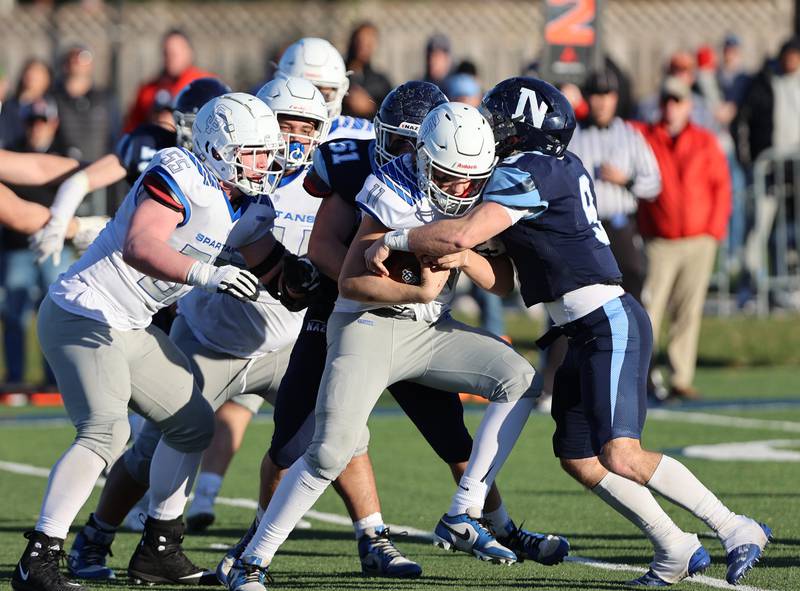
(172, 474)
(71, 481)
(637, 504)
(498, 432)
(370, 521)
(297, 492)
(676, 483)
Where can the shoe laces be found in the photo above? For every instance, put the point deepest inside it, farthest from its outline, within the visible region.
(255, 574)
(382, 542)
(49, 563)
(95, 552)
(173, 548)
(526, 539)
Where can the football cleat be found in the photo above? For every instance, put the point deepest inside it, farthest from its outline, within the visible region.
(249, 573)
(38, 570)
(381, 558)
(87, 557)
(159, 557)
(746, 546)
(468, 534)
(666, 570)
(234, 553)
(541, 548)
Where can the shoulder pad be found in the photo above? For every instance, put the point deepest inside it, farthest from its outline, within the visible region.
(185, 170)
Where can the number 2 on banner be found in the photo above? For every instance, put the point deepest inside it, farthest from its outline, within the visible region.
(587, 200)
(574, 27)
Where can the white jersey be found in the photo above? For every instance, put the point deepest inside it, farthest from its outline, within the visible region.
(101, 286)
(352, 128)
(392, 197)
(252, 329)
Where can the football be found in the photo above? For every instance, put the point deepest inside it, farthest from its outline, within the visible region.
(403, 267)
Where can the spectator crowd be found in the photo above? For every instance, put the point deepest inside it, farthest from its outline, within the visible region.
(671, 172)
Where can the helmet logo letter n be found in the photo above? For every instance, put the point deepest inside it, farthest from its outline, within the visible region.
(538, 110)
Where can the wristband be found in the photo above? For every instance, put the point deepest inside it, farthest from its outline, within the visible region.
(397, 240)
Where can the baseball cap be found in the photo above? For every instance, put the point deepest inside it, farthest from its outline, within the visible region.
(601, 82)
(675, 87)
(162, 100)
(438, 42)
(43, 109)
(731, 40)
(459, 85)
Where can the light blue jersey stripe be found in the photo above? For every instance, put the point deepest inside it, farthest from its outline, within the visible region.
(619, 341)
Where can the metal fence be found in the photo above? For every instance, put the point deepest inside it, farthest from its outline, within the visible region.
(237, 39)
(772, 258)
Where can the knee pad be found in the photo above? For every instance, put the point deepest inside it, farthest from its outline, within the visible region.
(191, 428)
(518, 381)
(327, 459)
(106, 438)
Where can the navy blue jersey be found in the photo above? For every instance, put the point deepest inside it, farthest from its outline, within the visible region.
(340, 167)
(137, 148)
(560, 244)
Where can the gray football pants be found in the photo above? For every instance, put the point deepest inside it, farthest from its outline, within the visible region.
(220, 378)
(101, 371)
(367, 353)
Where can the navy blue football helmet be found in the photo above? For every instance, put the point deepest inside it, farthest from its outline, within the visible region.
(528, 114)
(189, 100)
(401, 113)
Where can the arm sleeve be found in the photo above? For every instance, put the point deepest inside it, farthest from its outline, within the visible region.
(647, 177)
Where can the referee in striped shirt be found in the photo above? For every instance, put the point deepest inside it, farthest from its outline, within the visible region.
(623, 168)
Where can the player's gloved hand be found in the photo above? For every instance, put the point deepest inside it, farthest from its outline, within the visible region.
(49, 241)
(374, 257)
(233, 281)
(88, 229)
(298, 282)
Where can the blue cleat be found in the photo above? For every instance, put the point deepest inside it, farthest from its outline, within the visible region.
(87, 557)
(469, 534)
(234, 552)
(249, 573)
(541, 548)
(380, 557)
(745, 556)
(698, 563)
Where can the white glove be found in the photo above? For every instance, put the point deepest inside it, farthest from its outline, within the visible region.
(236, 282)
(49, 241)
(88, 229)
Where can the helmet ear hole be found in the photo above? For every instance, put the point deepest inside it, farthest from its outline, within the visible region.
(214, 154)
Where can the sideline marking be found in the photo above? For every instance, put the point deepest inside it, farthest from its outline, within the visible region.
(336, 519)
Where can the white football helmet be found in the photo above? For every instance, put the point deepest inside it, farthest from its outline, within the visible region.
(234, 124)
(455, 146)
(319, 62)
(296, 97)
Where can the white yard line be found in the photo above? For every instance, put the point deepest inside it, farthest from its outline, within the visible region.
(336, 519)
(703, 418)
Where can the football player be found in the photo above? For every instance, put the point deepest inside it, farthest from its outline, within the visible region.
(340, 169)
(317, 61)
(132, 155)
(541, 203)
(320, 63)
(94, 328)
(383, 331)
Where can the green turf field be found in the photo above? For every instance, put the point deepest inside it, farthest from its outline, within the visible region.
(748, 376)
(415, 489)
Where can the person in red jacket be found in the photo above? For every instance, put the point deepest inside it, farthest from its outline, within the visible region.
(177, 72)
(682, 227)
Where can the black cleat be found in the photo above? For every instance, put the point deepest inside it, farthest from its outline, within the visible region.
(38, 569)
(159, 557)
